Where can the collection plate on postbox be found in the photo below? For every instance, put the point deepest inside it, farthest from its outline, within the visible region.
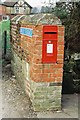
(49, 46)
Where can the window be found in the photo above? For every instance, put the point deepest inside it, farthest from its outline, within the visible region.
(17, 9)
(25, 7)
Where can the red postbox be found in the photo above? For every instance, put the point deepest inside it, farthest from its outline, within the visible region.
(49, 47)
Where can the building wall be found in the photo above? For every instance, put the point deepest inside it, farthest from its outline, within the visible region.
(42, 82)
(22, 10)
(8, 10)
(27, 11)
(2, 10)
(12, 10)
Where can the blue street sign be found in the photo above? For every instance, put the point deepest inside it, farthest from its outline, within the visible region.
(26, 31)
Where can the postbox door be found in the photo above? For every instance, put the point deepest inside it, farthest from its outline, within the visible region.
(49, 49)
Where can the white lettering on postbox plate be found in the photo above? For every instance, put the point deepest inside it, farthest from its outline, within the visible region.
(49, 48)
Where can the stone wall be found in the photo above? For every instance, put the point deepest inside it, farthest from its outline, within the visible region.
(42, 82)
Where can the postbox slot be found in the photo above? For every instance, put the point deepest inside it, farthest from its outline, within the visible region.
(50, 36)
(50, 32)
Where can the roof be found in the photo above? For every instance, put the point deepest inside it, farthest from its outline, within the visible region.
(40, 19)
(11, 3)
(27, 4)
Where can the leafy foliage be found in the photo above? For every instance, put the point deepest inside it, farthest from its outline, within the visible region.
(60, 10)
(46, 9)
(69, 13)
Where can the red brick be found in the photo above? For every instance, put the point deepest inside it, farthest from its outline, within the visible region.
(60, 38)
(60, 56)
(38, 47)
(38, 27)
(61, 47)
(61, 52)
(58, 75)
(58, 79)
(60, 43)
(60, 70)
(60, 33)
(37, 71)
(39, 38)
(48, 70)
(60, 28)
(60, 61)
(49, 80)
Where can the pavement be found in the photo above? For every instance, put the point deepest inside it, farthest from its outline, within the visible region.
(16, 104)
(0, 100)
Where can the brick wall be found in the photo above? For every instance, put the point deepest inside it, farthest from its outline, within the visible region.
(2, 10)
(42, 82)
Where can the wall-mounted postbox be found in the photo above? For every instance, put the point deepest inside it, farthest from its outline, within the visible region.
(49, 47)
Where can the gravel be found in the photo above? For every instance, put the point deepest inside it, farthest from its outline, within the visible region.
(15, 103)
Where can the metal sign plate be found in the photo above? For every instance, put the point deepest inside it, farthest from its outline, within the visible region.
(26, 31)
